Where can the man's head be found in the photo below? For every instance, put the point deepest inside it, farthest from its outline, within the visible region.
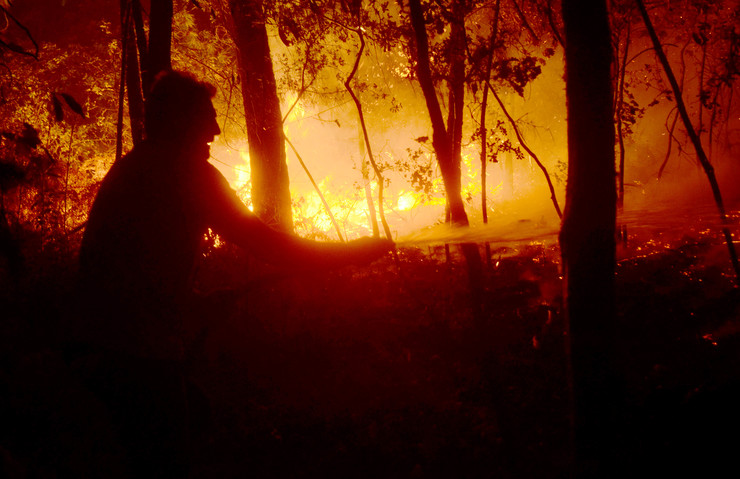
(179, 109)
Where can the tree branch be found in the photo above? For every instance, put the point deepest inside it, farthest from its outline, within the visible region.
(553, 197)
(20, 50)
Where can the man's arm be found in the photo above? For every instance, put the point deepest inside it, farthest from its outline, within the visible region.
(231, 219)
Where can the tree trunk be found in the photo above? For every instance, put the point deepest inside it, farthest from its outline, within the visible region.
(483, 129)
(133, 79)
(365, 136)
(160, 37)
(270, 182)
(587, 238)
(441, 140)
(122, 80)
(365, 170)
(621, 68)
(446, 140)
(142, 45)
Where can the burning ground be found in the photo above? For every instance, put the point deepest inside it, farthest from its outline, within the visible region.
(382, 371)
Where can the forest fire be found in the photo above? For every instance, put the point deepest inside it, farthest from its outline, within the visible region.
(432, 238)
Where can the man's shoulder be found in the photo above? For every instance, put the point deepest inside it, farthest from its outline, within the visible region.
(137, 156)
(209, 173)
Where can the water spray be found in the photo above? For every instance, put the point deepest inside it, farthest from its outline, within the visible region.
(669, 221)
(521, 232)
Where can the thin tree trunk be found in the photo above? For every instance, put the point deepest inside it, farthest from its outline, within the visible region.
(358, 105)
(133, 83)
(270, 181)
(122, 85)
(671, 131)
(142, 46)
(702, 70)
(365, 171)
(456, 80)
(483, 130)
(620, 134)
(66, 186)
(587, 240)
(693, 136)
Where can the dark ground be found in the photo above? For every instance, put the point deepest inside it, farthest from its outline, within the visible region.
(380, 372)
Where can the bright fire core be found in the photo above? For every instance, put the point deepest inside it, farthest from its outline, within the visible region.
(334, 155)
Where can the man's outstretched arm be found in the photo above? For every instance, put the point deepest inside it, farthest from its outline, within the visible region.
(232, 220)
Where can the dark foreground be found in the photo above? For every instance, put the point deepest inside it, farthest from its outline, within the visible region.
(381, 372)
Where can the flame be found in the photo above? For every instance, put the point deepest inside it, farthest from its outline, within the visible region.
(330, 143)
(406, 210)
(407, 200)
(232, 160)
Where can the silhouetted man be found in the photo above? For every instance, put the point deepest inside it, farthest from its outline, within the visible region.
(143, 235)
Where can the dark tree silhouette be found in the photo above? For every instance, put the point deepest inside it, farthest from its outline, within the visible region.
(142, 59)
(160, 36)
(588, 236)
(133, 73)
(443, 136)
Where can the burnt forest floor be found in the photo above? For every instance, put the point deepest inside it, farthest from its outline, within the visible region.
(381, 371)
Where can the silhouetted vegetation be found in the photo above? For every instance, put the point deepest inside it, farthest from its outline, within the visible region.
(371, 373)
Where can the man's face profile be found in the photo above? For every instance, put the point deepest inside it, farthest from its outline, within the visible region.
(203, 128)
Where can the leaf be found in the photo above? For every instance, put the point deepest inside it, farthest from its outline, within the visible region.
(57, 105)
(76, 107)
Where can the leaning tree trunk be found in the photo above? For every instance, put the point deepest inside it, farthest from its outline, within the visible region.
(694, 137)
(587, 238)
(270, 182)
(441, 139)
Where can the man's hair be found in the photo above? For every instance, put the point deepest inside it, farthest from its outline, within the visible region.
(175, 101)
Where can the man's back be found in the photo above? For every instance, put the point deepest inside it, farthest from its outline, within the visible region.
(142, 238)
